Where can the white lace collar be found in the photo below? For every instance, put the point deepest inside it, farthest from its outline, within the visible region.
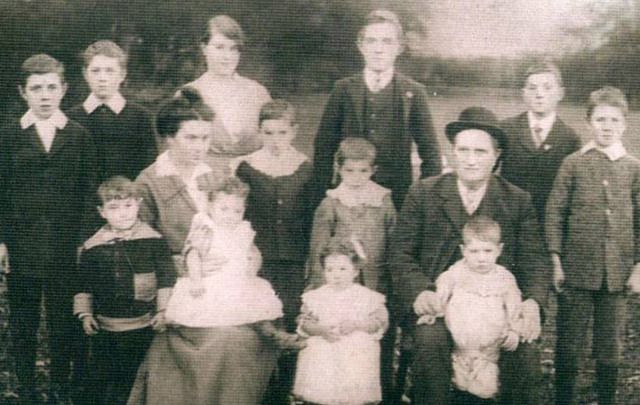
(165, 167)
(276, 166)
(371, 194)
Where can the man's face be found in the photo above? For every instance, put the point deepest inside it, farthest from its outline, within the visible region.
(43, 94)
(474, 155)
(380, 45)
(542, 93)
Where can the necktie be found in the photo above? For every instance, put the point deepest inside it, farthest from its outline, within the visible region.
(537, 136)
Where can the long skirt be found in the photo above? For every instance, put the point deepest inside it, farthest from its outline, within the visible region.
(205, 366)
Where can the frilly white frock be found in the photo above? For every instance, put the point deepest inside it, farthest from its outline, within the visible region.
(345, 372)
(233, 295)
(479, 310)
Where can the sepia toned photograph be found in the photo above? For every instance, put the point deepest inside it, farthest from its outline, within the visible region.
(319, 202)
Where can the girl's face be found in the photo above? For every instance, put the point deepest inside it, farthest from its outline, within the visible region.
(277, 135)
(191, 142)
(227, 209)
(355, 173)
(120, 214)
(608, 124)
(222, 54)
(339, 270)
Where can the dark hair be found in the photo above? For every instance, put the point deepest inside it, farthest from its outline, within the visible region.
(117, 188)
(356, 148)
(342, 246)
(482, 228)
(545, 66)
(231, 186)
(106, 48)
(380, 16)
(278, 109)
(40, 64)
(187, 105)
(227, 26)
(608, 95)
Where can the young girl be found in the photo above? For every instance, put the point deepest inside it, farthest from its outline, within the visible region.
(481, 307)
(344, 321)
(222, 287)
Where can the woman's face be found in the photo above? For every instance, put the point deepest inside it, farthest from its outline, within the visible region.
(222, 54)
(191, 142)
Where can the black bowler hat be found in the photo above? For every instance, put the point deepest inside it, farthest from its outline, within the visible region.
(477, 118)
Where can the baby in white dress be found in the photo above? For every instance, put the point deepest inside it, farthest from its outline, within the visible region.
(481, 307)
(222, 287)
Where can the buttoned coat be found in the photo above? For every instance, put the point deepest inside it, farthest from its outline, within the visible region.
(428, 236)
(343, 117)
(534, 169)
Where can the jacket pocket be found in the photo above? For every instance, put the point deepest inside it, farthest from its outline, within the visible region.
(145, 286)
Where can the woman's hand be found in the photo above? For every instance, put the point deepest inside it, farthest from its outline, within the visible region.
(90, 325)
(558, 274)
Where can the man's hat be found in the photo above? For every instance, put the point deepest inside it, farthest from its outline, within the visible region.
(477, 118)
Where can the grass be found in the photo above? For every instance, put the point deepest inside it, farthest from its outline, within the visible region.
(445, 106)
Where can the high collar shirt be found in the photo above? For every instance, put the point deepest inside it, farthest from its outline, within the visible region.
(115, 103)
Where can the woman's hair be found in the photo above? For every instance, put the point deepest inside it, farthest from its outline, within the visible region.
(227, 26)
(344, 246)
(357, 149)
(232, 186)
(610, 96)
(187, 105)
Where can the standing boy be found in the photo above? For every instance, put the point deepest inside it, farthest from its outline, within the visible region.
(47, 181)
(537, 139)
(122, 130)
(381, 105)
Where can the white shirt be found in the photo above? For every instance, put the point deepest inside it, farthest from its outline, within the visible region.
(116, 103)
(614, 151)
(471, 199)
(545, 124)
(377, 81)
(46, 129)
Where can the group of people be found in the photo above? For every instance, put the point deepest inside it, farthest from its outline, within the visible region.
(231, 269)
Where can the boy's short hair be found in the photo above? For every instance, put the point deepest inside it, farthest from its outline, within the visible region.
(545, 66)
(187, 105)
(278, 109)
(607, 95)
(482, 228)
(380, 16)
(40, 64)
(355, 148)
(227, 26)
(232, 186)
(343, 246)
(105, 48)
(117, 188)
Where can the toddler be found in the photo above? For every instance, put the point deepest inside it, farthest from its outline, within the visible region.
(344, 322)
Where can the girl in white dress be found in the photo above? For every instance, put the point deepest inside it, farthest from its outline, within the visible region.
(481, 307)
(344, 322)
(222, 287)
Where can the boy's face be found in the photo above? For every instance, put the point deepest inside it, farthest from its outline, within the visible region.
(191, 142)
(542, 93)
(481, 256)
(380, 45)
(277, 135)
(120, 214)
(43, 94)
(475, 155)
(608, 124)
(222, 55)
(339, 271)
(104, 75)
(355, 173)
(227, 209)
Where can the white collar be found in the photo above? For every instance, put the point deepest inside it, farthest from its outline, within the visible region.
(115, 103)
(370, 78)
(546, 123)
(287, 163)
(57, 120)
(613, 152)
(371, 194)
(165, 167)
(106, 235)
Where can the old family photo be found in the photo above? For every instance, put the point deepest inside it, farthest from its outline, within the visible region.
(319, 202)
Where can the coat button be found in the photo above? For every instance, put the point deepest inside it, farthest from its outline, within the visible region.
(279, 222)
(608, 211)
(280, 202)
(605, 183)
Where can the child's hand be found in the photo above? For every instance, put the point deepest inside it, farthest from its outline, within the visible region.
(90, 325)
(158, 322)
(531, 326)
(197, 290)
(200, 239)
(634, 281)
(510, 342)
(428, 303)
(558, 278)
(348, 327)
(331, 333)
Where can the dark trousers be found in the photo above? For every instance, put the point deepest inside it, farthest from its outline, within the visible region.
(520, 371)
(575, 309)
(25, 298)
(387, 351)
(114, 361)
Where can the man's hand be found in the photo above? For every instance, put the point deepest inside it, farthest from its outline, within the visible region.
(4, 259)
(428, 303)
(634, 280)
(531, 327)
(158, 323)
(90, 325)
(558, 278)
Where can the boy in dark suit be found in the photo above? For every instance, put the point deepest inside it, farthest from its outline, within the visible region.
(47, 181)
(383, 106)
(122, 130)
(537, 139)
